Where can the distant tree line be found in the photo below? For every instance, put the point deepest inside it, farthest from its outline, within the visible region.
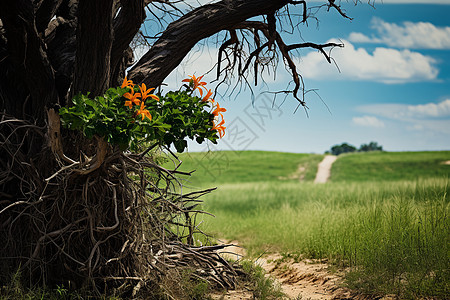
(347, 148)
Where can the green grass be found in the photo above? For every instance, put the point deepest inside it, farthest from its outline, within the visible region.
(380, 166)
(15, 290)
(263, 287)
(385, 215)
(212, 168)
(397, 235)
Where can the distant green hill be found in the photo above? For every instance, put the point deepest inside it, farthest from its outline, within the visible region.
(380, 166)
(219, 167)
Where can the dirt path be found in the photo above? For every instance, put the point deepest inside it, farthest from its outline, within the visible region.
(305, 279)
(324, 170)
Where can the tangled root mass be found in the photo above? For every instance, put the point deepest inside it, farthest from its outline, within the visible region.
(95, 217)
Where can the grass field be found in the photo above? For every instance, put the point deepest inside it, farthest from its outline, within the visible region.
(383, 214)
(217, 168)
(380, 166)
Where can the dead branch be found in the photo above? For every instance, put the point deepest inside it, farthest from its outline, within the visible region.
(271, 34)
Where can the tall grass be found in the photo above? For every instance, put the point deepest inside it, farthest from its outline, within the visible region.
(384, 215)
(395, 236)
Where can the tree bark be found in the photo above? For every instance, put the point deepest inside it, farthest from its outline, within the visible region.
(94, 43)
(27, 62)
(126, 25)
(45, 12)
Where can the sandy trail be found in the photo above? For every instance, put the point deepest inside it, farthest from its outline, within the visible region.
(324, 170)
(305, 279)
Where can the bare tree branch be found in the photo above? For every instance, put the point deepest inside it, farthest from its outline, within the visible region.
(332, 3)
(182, 35)
(284, 49)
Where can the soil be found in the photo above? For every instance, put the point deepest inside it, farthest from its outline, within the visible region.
(305, 279)
(324, 169)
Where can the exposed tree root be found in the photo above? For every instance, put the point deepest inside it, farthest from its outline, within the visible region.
(96, 217)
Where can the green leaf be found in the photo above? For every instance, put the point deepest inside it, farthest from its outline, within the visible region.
(180, 145)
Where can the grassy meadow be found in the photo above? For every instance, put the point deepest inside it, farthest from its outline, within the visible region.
(390, 166)
(217, 168)
(384, 215)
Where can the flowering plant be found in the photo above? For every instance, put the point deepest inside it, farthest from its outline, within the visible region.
(130, 115)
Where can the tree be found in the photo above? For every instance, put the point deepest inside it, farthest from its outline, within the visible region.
(372, 146)
(62, 218)
(343, 148)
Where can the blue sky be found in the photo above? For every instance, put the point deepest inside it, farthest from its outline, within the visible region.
(393, 86)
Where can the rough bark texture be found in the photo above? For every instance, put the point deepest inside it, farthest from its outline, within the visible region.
(94, 43)
(26, 65)
(126, 25)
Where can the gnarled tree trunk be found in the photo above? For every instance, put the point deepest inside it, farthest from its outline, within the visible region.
(70, 217)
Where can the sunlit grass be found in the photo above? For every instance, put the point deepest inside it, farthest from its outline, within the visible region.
(385, 215)
(219, 167)
(382, 166)
(395, 236)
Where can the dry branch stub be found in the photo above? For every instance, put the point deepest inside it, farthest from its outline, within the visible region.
(96, 217)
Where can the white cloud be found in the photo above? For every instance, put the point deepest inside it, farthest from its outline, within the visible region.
(383, 65)
(368, 121)
(406, 112)
(433, 118)
(139, 52)
(441, 109)
(431, 126)
(420, 35)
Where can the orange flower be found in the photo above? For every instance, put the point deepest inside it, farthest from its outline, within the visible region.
(142, 111)
(206, 98)
(218, 110)
(195, 83)
(145, 93)
(132, 98)
(220, 128)
(127, 83)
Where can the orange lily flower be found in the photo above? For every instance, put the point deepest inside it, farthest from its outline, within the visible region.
(195, 83)
(142, 111)
(221, 131)
(127, 83)
(218, 110)
(132, 98)
(206, 98)
(220, 128)
(145, 93)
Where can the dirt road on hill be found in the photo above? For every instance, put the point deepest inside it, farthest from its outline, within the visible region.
(324, 170)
